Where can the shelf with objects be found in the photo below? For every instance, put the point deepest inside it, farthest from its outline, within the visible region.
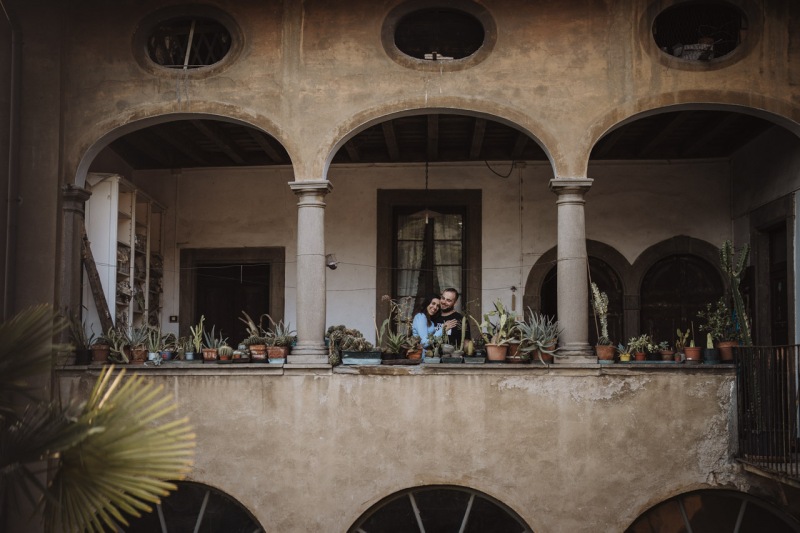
(123, 225)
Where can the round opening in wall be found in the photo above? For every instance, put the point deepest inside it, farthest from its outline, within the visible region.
(439, 34)
(700, 31)
(188, 42)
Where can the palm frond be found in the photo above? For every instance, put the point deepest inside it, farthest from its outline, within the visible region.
(124, 464)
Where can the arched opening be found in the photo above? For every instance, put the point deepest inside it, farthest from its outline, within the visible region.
(607, 281)
(673, 291)
(439, 508)
(196, 507)
(714, 510)
(160, 188)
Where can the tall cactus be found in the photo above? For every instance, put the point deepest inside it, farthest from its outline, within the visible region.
(734, 268)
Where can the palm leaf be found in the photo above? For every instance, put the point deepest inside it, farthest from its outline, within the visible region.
(122, 467)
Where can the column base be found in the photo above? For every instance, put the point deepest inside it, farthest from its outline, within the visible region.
(315, 353)
(575, 354)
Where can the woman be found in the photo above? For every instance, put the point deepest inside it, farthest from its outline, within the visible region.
(423, 326)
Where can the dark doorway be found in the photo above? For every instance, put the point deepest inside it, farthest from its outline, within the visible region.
(224, 291)
(778, 290)
(220, 283)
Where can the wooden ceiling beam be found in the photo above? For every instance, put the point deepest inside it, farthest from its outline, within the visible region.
(391, 140)
(181, 144)
(141, 142)
(664, 133)
(714, 128)
(478, 133)
(265, 145)
(219, 138)
(607, 143)
(519, 146)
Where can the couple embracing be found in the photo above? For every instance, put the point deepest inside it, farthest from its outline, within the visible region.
(436, 317)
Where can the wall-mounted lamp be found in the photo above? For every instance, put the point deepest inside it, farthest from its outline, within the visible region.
(331, 262)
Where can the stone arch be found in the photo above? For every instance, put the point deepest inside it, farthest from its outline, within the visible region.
(464, 507)
(769, 109)
(679, 245)
(717, 510)
(491, 111)
(604, 252)
(117, 127)
(196, 503)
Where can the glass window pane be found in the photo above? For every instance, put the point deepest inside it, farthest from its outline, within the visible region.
(409, 228)
(447, 227)
(447, 253)
(442, 509)
(396, 516)
(449, 277)
(410, 254)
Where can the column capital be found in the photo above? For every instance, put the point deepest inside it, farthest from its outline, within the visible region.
(570, 185)
(76, 194)
(315, 186)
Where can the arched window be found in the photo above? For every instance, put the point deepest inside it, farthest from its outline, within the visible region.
(195, 507)
(608, 281)
(713, 510)
(439, 508)
(673, 291)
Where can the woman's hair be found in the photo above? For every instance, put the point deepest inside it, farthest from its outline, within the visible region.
(423, 306)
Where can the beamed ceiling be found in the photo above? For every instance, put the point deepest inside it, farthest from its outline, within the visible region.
(437, 137)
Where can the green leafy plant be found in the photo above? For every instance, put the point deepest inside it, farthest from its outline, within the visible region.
(256, 334)
(81, 337)
(117, 341)
(497, 326)
(680, 342)
(109, 456)
(538, 334)
(280, 334)
(640, 343)
(197, 335)
(211, 340)
(719, 321)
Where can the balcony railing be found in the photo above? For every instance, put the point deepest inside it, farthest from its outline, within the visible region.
(769, 410)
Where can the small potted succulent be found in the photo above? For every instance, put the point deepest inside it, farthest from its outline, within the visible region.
(257, 338)
(81, 340)
(280, 339)
(212, 344)
(604, 347)
(348, 346)
(639, 346)
(224, 353)
(624, 353)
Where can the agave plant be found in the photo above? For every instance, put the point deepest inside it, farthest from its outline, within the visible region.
(110, 456)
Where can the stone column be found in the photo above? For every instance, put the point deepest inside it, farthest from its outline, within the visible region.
(310, 348)
(573, 278)
(70, 262)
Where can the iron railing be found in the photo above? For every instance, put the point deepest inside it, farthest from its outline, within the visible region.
(769, 409)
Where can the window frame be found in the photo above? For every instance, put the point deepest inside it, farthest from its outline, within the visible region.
(470, 200)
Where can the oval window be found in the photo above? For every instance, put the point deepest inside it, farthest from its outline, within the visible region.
(439, 34)
(188, 42)
(699, 31)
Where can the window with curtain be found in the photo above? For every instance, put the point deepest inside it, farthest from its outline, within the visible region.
(428, 251)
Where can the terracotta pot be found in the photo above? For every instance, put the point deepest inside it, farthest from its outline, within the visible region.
(640, 356)
(209, 354)
(667, 355)
(100, 353)
(496, 352)
(277, 352)
(604, 352)
(693, 354)
(677, 357)
(415, 354)
(726, 350)
(138, 355)
(512, 349)
(517, 359)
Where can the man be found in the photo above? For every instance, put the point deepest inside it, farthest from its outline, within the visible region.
(450, 318)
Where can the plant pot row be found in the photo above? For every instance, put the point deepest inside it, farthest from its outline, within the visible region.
(100, 353)
(691, 355)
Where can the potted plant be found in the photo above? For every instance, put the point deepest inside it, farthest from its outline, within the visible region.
(471, 354)
(538, 336)
(348, 346)
(665, 351)
(496, 329)
(169, 346)
(414, 348)
(195, 340)
(101, 349)
(392, 336)
(604, 347)
(692, 352)
(257, 339)
(212, 344)
(81, 341)
(710, 352)
(280, 338)
(639, 345)
(137, 343)
(118, 346)
(680, 345)
(153, 343)
(624, 353)
(719, 324)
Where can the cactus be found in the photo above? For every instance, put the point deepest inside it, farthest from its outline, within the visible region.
(727, 258)
(225, 351)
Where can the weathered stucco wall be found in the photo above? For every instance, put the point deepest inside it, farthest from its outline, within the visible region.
(631, 207)
(569, 450)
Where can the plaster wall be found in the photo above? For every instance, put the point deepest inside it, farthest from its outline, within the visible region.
(631, 206)
(563, 448)
(312, 73)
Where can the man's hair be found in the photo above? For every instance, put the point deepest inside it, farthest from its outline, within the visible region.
(451, 289)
